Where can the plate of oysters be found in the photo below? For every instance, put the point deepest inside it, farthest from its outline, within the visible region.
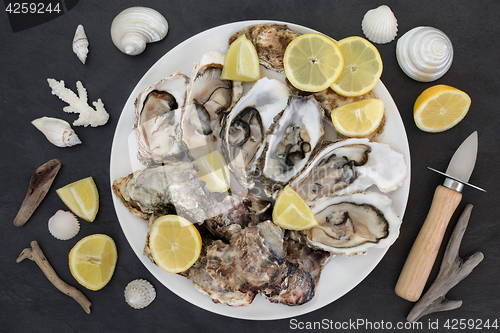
(271, 135)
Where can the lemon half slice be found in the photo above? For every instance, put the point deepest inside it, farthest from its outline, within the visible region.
(241, 62)
(81, 197)
(214, 171)
(291, 212)
(360, 118)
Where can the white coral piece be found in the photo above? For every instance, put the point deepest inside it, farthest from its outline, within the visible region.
(139, 293)
(81, 44)
(79, 104)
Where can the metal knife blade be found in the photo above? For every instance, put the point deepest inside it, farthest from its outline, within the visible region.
(463, 161)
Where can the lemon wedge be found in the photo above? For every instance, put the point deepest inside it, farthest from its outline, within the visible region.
(92, 261)
(312, 62)
(358, 119)
(440, 108)
(362, 67)
(175, 243)
(241, 62)
(81, 197)
(291, 212)
(214, 171)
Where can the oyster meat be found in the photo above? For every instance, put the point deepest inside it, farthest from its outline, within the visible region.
(157, 119)
(291, 141)
(349, 166)
(350, 224)
(243, 136)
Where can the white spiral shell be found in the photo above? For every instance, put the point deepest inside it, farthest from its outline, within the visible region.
(424, 53)
(136, 26)
(57, 131)
(380, 25)
(81, 44)
(139, 293)
(64, 225)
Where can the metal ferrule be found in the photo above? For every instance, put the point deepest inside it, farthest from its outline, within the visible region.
(453, 184)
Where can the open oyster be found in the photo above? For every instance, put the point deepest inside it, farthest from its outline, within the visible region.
(291, 141)
(243, 135)
(157, 119)
(349, 166)
(349, 225)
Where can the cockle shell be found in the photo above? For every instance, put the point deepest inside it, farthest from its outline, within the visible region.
(424, 53)
(57, 131)
(81, 44)
(136, 26)
(64, 225)
(380, 25)
(139, 293)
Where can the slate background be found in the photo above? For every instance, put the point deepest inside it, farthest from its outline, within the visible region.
(29, 303)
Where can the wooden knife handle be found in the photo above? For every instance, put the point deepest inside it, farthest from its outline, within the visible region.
(419, 263)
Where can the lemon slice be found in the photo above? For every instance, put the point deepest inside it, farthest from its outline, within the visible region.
(362, 67)
(92, 261)
(214, 171)
(312, 62)
(81, 197)
(360, 118)
(175, 243)
(291, 212)
(241, 62)
(440, 108)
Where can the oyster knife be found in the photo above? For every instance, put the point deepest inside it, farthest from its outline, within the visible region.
(446, 198)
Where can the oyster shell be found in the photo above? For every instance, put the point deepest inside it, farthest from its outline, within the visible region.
(157, 119)
(351, 224)
(349, 166)
(380, 25)
(291, 141)
(243, 136)
(208, 99)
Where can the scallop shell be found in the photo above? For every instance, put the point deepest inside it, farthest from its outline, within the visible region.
(57, 131)
(139, 293)
(81, 44)
(136, 26)
(424, 53)
(64, 225)
(380, 25)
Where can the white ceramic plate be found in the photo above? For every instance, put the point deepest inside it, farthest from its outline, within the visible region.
(338, 277)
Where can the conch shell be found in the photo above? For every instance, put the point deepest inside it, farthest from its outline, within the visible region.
(81, 44)
(136, 26)
(57, 131)
(424, 53)
(380, 25)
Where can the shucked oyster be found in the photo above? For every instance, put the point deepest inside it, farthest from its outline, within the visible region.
(291, 141)
(243, 136)
(157, 119)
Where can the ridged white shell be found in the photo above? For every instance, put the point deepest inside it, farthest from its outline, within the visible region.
(380, 25)
(139, 293)
(64, 225)
(57, 131)
(424, 53)
(81, 44)
(136, 26)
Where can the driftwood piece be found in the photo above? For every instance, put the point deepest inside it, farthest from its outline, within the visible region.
(453, 270)
(35, 254)
(39, 186)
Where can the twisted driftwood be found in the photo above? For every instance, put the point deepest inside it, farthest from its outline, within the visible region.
(35, 254)
(453, 270)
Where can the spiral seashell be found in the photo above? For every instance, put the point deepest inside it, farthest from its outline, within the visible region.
(139, 293)
(64, 225)
(380, 25)
(57, 131)
(81, 44)
(424, 53)
(136, 26)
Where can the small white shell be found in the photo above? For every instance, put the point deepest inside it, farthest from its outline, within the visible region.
(57, 131)
(63, 225)
(424, 53)
(81, 44)
(139, 293)
(136, 26)
(380, 25)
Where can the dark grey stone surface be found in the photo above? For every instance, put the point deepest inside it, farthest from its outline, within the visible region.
(29, 303)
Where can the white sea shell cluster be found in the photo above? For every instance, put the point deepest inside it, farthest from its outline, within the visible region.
(57, 131)
(81, 44)
(64, 225)
(380, 25)
(424, 53)
(136, 26)
(139, 293)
